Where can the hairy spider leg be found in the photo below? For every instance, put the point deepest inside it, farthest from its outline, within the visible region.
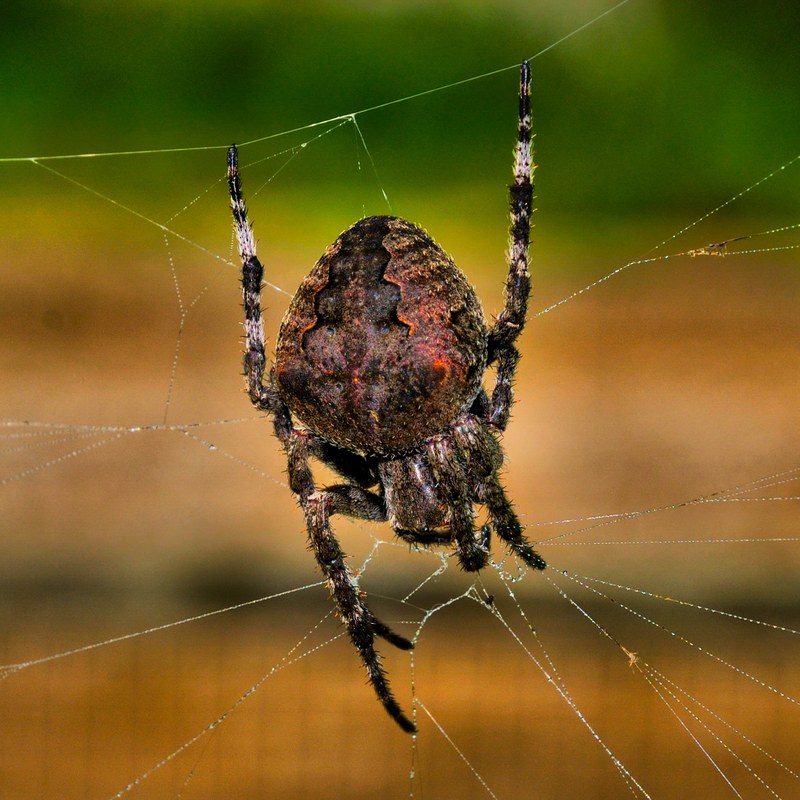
(502, 399)
(511, 320)
(449, 469)
(265, 398)
(362, 626)
(479, 446)
(317, 506)
(483, 457)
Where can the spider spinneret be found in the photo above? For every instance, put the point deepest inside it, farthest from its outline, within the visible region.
(381, 357)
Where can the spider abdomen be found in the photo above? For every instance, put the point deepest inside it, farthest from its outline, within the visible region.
(384, 343)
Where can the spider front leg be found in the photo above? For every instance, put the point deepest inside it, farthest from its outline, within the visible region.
(511, 320)
(503, 392)
(264, 398)
(361, 624)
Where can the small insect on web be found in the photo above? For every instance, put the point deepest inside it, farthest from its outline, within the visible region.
(381, 357)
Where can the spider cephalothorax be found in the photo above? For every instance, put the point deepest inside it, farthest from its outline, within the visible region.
(381, 357)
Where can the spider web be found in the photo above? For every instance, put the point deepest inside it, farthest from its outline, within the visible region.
(168, 634)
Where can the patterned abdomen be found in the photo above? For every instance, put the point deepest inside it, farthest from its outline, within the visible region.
(384, 343)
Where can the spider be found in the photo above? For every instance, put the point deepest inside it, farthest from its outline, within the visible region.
(381, 357)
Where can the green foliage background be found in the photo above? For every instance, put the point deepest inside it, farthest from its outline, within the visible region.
(705, 83)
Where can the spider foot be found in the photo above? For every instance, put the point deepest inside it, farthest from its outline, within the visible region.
(396, 713)
(377, 676)
(510, 531)
(385, 632)
(473, 556)
(530, 557)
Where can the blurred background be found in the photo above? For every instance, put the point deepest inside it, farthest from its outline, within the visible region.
(137, 487)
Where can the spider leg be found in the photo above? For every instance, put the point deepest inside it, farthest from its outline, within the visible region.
(505, 522)
(484, 457)
(511, 320)
(503, 392)
(480, 405)
(449, 470)
(425, 538)
(358, 619)
(352, 466)
(354, 501)
(362, 626)
(264, 398)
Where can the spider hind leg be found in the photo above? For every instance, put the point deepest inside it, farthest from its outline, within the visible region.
(361, 625)
(318, 507)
